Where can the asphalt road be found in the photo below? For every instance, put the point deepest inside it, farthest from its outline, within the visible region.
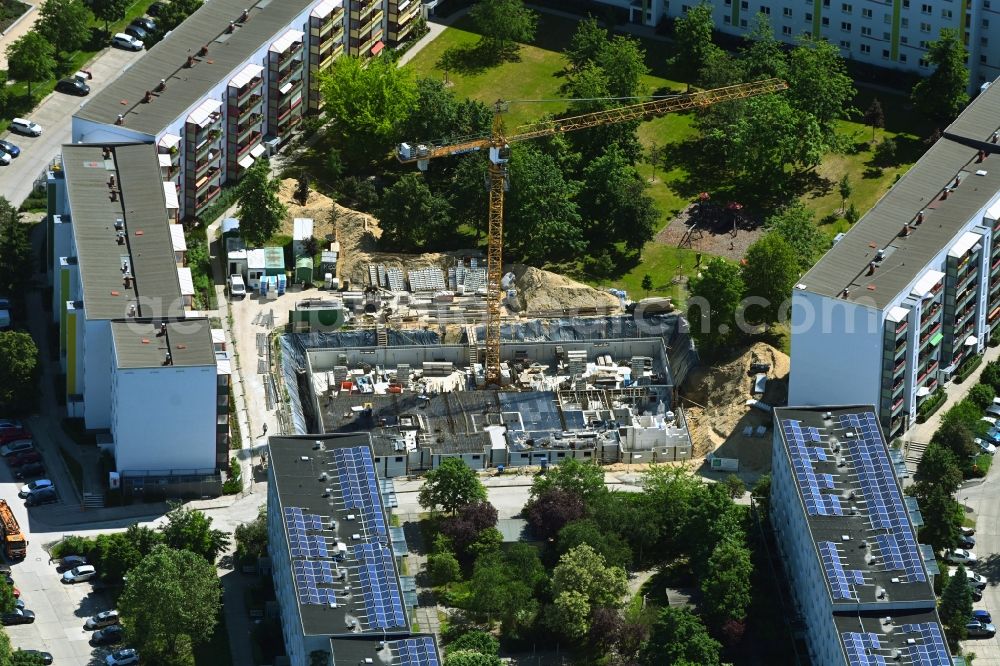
(54, 114)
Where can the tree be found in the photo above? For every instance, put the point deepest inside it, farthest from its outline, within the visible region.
(443, 568)
(679, 637)
(190, 529)
(503, 23)
(173, 14)
(795, 224)
(570, 614)
(31, 58)
(943, 94)
(117, 554)
(735, 486)
(251, 537)
(710, 517)
(982, 395)
(717, 292)
(439, 117)
(17, 262)
(7, 599)
(942, 518)
(108, 10)
(585, 480)
(991, 375)
(187, 597)
(615, 201)
(588, 40)
(636, 518)
(938, 468)
(647, 283)
(955, 608)
(408, 200)
(261, 211)
(495, 593)
(727, 586)
(550, 511)
(846, 189)
(471, 658)
(763, 56)
(18, 371)
(64, 23)
(612, 634)
(584, 570)
(366, 103)
(475, 641)
(874, 116)
(818, 83)
(770, 270)
(606, 544)
(693, 38)
(451, 486)
(589, 90)
(955, 434)
(464, 528)
(542, 219)
(468, 193)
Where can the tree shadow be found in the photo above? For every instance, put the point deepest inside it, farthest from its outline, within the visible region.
(475, 58)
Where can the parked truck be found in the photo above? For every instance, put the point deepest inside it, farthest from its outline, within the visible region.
(14, 544)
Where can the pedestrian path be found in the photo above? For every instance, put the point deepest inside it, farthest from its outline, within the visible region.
(15, 31)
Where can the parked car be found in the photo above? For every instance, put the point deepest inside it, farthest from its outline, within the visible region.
(108, 635)
(157, 7)
(125, 657)
(26, 127)
(985, 446)
(966, 541)
(961, 556)
(19, 459)
(73, 86)
(17, 617)
(17, 446)
(976, 629)
(977, 592)
(79, 574)
(10, 424)
(4, 161)
(974, 579)
(30, 471)
(137, 32)
(967, 531)
(29, 488)
(993, 410)
(237, 288)
(982, 616)
(103, 619)
(72, 562)
(9, 148)
(146, 23)
(8, 436)
(128, 42)
(43, 657)
(43, 496)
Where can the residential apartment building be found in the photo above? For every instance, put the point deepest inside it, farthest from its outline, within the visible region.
(333, 556)
(138, 366)
(892, 34)
(862, 586)
(912, 292)
(231, 83)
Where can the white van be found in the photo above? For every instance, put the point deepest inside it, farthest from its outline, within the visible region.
(237, 288)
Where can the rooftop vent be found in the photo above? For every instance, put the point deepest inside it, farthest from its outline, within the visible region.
(958, 181)
(119, 222)
(887, 621)
(911, 641)
(169, 359)
(163, 329)
(897, 655)
(845, 293)
(980, 156)
(920, 218)
(894, 579)
(161, 86)
(879, 255)
(944, 193)
(106, 152)
(845, 537)
(120, 120)
(148, 97)
(322, 477)
(864, 543)
(245, 16)
(203, 51)
(232, 26)
(120, 239)
(993, 139)
(304, 458)
(190, 62)
(131, 309)
(880, 593)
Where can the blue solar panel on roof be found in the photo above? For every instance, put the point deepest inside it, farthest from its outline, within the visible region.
(929, 648)
(416, 652)
(382, 599)
(861, 649)
(360, 488)
(840, 586)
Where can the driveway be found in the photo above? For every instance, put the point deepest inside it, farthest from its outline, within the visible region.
(55, 114)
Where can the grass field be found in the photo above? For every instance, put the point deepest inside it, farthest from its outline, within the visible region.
(540, 74)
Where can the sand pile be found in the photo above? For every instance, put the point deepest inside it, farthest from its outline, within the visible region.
(715, 403)
(541, 292)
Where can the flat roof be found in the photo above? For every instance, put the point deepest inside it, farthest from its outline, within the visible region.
(148, 250)
(858, 520)
(142, 343)
(846, 264)
(307, 471)
(186, 86)
(414, 650)
(918, 637)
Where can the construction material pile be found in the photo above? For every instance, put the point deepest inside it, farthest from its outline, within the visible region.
(544, 294)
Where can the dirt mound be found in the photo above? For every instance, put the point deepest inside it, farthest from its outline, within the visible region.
(541, 292)
(715, 399)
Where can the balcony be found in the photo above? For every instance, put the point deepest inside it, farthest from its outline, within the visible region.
(251, 124)
(250, 143)
(289, 75)
(929, 315)
(965, 298)
(293, 50)
(929, 370)
(362, 9)
(205, 180)
(896, 406)
(901, 328)
(252, 86)
(925, 338)
(204, 200)
(325, 60)
(213, 155)
(283, 114)
(897, 387)
(249, 105)
(899, 367)
(222, 404)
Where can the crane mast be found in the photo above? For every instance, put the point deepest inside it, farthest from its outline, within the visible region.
(499, 154)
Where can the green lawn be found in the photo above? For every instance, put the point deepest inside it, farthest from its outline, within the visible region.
(539, 76)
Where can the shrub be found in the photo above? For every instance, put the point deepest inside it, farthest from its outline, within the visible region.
(982, 395)
(234, 484)
(967, 369)
(73, 545)
(931, 404)
(443, 568)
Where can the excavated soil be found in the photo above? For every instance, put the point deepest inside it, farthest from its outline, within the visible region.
(539, 292)
(715, 403)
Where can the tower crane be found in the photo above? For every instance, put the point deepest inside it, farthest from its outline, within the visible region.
(498, 144)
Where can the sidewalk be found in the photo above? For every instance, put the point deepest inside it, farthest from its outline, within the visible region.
(18, 29)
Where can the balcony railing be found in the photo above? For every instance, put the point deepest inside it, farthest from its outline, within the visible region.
(284, 114)
(207, 197)
(200, 166)
(929, 334)
(250, 87)
(929, 315)
(212, 174)
(292, 50)
(249, 105)
(901, 328)
(250, 143)
(899, 366)
(930, 368)
(294, 71)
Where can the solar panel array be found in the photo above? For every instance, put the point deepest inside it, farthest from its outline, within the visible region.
(880, 490)
(861, 649)
(300, 543)
(359, 488)
(931, 649)
(803, 452)
(416, 652)
(382, 599)
(309, 575)
(842, 581)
